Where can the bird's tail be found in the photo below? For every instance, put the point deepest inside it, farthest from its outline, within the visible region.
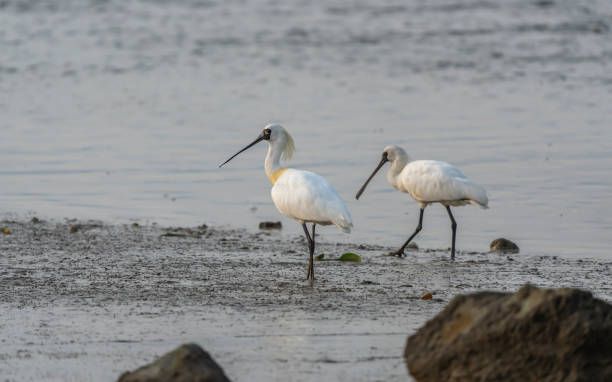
(478, 196)
(344, 222)
(484, 206)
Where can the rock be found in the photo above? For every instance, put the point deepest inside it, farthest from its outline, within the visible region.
(187, 363)
(532, 335)
(270, 225)
(504, 246)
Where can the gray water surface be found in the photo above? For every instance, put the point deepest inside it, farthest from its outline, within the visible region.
(122, 112)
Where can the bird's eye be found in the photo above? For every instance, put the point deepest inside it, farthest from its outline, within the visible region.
(267, 131)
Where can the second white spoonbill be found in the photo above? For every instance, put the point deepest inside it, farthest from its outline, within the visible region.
(429, 181)
(298, 194)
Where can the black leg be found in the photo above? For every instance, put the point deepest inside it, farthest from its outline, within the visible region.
(311, 264)
(454, 227)
(400, 251)
(310, 249)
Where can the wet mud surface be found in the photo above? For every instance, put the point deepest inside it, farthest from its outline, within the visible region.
(86, 300)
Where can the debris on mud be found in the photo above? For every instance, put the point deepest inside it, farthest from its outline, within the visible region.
(348, 256)
(86, 226)
(187, 363)
(503, 246)
(270, 225)
(531, 335)
(184, 232)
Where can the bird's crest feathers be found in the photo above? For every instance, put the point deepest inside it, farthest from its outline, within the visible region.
(289, 148)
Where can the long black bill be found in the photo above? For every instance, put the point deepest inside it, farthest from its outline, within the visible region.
(260, 138)
(382, 161)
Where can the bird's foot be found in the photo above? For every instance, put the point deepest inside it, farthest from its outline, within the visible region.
(398, 253)
(310, 275)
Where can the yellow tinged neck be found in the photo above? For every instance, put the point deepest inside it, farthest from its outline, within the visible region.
(276, 174)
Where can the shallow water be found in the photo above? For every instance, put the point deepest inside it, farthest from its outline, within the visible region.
(122, 111)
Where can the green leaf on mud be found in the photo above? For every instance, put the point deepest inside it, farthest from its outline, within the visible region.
(350, 257)
(320, 257)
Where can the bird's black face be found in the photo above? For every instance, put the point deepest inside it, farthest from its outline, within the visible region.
(383, 160)
(267, 133)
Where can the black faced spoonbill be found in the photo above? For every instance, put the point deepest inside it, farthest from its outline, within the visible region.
(429, 181)
(298, 194)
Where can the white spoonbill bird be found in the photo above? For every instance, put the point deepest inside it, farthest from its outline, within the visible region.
(298, 194)
(429, 181)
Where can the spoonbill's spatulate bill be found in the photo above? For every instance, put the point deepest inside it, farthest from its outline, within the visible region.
(429, 181)
(300, 195)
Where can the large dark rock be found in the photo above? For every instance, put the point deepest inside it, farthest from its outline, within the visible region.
(533, 335)
(187, 363)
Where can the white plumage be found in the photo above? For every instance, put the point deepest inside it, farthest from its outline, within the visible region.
(298, 194)
(308, 197)
(429, 181)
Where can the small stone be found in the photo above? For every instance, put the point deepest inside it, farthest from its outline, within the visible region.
(413, 246)
(428, 296)
(74, 228)
(187, 363)
(270, 225)
(504, 246)
(35, 220)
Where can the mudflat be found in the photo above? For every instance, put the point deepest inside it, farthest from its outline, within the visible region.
(85, 300)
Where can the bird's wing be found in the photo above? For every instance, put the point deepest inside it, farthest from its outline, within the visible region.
(306, 196)
(434, 181)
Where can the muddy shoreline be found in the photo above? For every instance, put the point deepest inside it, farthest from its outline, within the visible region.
(85, 300)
